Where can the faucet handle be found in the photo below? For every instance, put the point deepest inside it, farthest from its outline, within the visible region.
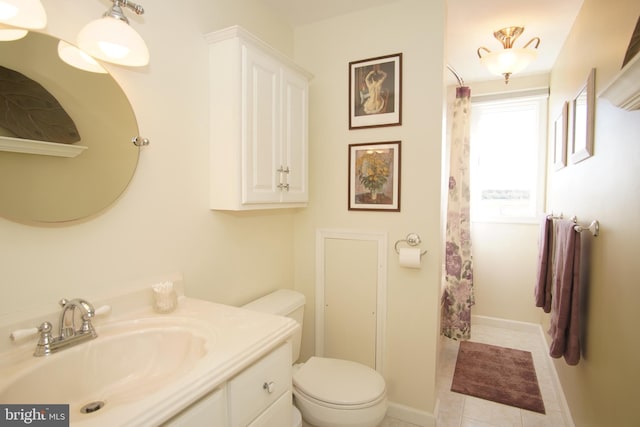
(20, 334)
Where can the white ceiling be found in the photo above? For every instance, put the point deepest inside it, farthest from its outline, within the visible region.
(470, 24)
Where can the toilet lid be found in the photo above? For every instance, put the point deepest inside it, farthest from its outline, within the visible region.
(339, 382)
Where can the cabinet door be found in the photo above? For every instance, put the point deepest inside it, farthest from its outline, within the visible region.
(294, 136)
(261, 127)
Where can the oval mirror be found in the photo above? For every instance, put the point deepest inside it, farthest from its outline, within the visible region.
(36, 188)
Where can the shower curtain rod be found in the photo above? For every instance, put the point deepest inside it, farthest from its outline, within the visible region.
(457, 76)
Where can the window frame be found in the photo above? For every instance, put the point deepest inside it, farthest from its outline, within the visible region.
(540, 97)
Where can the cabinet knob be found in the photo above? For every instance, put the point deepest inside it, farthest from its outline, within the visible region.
(269, 386)
(284, 187)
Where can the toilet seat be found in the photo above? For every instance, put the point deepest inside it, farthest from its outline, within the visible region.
(340, 384)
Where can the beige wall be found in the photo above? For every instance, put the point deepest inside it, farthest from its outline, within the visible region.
(161, 226)
(504, 270)
(602, 389)
(505, 254)
(415, 28)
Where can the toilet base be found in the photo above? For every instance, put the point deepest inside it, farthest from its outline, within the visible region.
(314, 415)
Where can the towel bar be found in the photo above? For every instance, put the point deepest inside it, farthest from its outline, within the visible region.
(594, 227)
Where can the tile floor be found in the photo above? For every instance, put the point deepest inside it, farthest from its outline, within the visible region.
(459, 410)
(392, 422)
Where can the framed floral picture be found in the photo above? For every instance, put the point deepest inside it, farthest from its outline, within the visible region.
(374, 176)
(375, 92)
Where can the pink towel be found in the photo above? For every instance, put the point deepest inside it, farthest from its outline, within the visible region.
(543, 282)
(565, 317)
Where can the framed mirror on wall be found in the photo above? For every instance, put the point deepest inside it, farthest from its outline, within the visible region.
(582, 120)
(40, 189)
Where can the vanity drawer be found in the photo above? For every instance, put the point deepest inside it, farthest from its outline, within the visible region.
(260, 385)
(277, 415)
(208, 411)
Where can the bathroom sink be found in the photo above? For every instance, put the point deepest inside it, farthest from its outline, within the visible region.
(128, 361)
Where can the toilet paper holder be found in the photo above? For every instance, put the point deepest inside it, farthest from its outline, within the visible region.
(412, 239)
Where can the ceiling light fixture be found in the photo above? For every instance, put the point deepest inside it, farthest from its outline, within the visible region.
(27, 14)
(112, 39)
(510, 60)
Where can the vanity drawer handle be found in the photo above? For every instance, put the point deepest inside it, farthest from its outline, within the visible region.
(269, 386)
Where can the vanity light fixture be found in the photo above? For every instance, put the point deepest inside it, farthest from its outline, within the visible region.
(509, 60)
(8, 33)
(78, 59)
(27, 14)
(112, 39)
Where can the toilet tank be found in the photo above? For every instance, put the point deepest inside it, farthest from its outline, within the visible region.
(283, 302)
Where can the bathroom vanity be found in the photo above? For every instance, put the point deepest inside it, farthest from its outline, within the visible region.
(259, 396)
(202, 364)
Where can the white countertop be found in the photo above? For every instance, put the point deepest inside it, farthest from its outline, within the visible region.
(236, 338)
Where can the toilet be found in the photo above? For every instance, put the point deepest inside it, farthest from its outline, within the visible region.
(328, 392)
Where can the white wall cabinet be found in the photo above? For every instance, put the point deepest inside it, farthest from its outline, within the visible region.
(259, 124)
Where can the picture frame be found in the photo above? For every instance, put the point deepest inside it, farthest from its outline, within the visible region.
(374, 176)
(582, 120)
(375, 92)
(560, 138)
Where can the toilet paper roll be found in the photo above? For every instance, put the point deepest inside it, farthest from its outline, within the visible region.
(410, 257)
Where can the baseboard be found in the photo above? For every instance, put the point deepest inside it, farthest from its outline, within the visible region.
(566, 413)
(515, 325)
(410, 415)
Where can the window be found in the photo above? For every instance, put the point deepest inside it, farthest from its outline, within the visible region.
(508, 147)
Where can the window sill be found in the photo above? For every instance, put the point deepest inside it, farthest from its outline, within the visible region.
(524, 220)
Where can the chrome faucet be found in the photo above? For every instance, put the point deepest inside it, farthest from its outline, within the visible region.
(69, 334)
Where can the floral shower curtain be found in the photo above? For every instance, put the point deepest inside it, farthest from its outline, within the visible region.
(457, 292)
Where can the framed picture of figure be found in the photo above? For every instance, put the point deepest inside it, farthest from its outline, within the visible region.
(375, 92)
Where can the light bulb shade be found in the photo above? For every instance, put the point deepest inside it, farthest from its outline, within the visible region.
(8, 33)
(113, 40)
(78, 59)
(23, 13)
(508, 61)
